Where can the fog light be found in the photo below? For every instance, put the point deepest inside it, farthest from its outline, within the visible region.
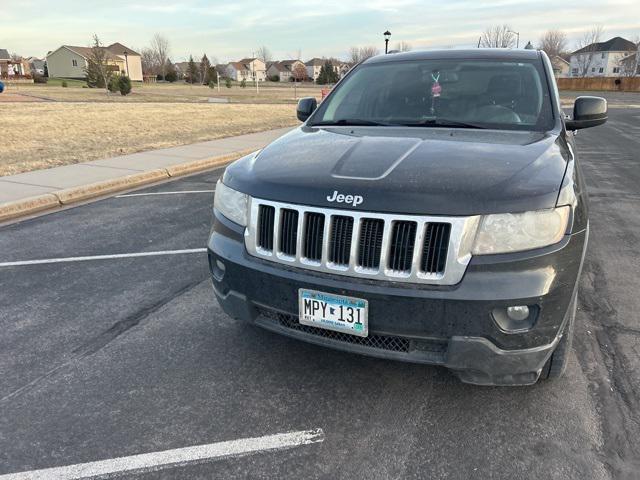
(518, 313)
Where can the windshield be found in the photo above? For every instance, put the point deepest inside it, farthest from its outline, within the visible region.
(456, 93)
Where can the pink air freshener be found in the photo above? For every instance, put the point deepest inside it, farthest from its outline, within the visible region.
(436, 89)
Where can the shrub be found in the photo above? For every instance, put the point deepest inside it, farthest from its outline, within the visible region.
(124, 84)
(212, 84)
(114, 86)
(227, 82)
(273, 78)
(243, 83)
(171, 76)
(40, 79)
(64, 84)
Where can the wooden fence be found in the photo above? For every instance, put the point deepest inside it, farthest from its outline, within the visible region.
(609, 84)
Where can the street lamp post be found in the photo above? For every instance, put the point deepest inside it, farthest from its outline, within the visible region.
(517, 37)
(387, 36)
(126, 61)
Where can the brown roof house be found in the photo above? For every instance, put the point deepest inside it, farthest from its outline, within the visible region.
(247, 69)
(315, 65)
(71, 62)
(284, 70)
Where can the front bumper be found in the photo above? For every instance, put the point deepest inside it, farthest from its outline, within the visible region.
(452, 326)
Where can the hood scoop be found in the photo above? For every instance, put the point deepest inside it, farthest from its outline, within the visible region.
(365, 159)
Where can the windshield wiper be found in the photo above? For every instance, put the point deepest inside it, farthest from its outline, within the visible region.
(351, 122)
(443, 122)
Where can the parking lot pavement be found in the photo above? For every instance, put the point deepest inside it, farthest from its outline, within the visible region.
(122, 355)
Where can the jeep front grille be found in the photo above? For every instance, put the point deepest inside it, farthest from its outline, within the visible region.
(405, 248)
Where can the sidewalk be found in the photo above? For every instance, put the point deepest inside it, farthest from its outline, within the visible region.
(30, 192)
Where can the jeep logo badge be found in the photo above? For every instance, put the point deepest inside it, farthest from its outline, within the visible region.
(354, 200)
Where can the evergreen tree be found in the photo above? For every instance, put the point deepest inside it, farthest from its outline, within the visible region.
(171, 75)
(124, 84)
(97, 73)
(192, 70)
(212, 75)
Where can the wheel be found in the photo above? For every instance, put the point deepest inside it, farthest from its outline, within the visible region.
(557, 363)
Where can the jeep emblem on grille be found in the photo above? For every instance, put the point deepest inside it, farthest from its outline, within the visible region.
(354, 200)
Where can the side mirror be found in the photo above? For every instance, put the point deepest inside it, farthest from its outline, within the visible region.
(306, 106)
(588, 112)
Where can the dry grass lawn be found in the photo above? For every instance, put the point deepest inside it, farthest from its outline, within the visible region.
(178, 92)
(48, 134)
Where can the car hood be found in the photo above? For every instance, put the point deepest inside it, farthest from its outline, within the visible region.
(430, 171)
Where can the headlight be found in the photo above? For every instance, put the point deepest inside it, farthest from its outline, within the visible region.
(514, 232)
(231, 203)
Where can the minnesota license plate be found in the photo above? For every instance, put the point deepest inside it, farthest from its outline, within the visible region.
(333, 312)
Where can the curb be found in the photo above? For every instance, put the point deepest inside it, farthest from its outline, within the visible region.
(27, 206)
(67, 196)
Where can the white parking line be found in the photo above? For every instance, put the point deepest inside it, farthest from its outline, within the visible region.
(163, 193)
(101, 257)
(174, 458)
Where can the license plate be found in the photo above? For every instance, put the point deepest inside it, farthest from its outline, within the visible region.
(334, 312)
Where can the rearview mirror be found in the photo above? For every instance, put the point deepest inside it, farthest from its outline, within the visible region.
(306, 107)
(588, 112)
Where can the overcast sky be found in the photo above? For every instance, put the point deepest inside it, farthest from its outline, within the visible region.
(233, 29)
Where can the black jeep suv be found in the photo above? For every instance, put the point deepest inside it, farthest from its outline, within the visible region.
(431, 209)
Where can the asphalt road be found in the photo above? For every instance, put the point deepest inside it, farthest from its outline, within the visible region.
(121, 356)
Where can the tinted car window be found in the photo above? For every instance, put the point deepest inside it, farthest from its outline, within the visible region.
(483, 93)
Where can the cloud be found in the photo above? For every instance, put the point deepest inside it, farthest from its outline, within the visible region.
(317, 27)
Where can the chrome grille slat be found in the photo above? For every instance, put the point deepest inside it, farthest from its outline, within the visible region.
(399, 248)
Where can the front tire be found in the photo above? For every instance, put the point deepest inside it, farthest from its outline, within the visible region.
(557, 363)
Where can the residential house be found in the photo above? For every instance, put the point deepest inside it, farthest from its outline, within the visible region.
(182, 69)
(10, 67)
(315, 65)
(601, 59)
(561, 67)
(630, 65)
(249, 69)
(132, 60)
(71, 62)
(285, 70)
(36, 65)
(256, 67)
(237, 71)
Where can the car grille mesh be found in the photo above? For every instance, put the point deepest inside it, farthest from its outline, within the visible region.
(340, 242)
(377, 246)
(402, 241)
(382, 342)
(370, 242)
(436, 242)
(314, 232)
(265, 227)
(289, 231)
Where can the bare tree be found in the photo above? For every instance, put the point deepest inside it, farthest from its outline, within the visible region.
(149, 61)
(587, 46)
(264, 54)
(160, 48)
(299, 72)
(553, 43)
(358, 54)
(403, 46)
(498, 36)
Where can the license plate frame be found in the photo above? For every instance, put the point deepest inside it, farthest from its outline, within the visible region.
(331, 316)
